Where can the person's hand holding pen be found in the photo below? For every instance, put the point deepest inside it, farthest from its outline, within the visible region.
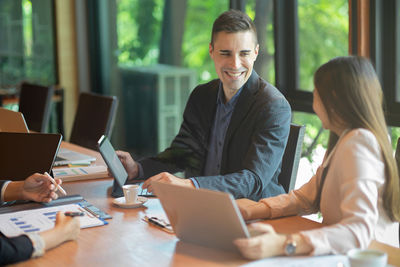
(40, 188)
(66, 228)
(57, 185)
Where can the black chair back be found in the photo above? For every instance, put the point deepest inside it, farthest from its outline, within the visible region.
(35, 104)
(94, 117)
(291, 157)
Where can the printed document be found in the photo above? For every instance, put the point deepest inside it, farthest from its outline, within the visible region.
(38, 220)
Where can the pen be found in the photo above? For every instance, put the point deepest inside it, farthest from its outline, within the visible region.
(74, 213)
(91, 212)
(155, 221)
(56, 185)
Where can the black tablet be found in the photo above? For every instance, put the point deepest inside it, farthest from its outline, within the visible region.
(113, 163)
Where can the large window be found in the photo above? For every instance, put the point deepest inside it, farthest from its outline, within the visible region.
(200, 16)
(139, 30)
(323, 35)
(27, 42)
(308, 33)
(262, 12)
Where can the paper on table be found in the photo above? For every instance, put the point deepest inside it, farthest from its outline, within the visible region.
(80, 173)
(38, 220)
(302, 261)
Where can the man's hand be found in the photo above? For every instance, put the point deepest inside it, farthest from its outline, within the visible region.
(252, 210)
(166, 177)
(267, 244)
(129, 164)
(38, 187)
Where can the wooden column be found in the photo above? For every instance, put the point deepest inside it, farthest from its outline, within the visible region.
(67, 59)
(359, 27)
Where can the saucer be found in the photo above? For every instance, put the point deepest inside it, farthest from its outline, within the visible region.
(121, 202)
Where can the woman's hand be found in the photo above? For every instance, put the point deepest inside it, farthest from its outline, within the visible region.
(267, 244)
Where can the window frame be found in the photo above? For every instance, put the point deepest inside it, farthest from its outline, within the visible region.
(385, 53)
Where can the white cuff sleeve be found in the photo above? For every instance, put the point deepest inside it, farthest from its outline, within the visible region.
(3, 190)
(38, 244)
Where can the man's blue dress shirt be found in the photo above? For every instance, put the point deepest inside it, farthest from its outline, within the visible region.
(222, 119)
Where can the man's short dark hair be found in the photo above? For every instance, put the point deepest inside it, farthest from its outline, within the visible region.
(233, 21)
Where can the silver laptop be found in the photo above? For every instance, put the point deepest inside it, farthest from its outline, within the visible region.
(66, 156)
(12, 121)
(201, 216)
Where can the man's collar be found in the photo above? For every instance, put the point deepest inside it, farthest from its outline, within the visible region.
(221, 95)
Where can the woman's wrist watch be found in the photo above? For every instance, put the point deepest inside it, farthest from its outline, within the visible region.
(290, 246)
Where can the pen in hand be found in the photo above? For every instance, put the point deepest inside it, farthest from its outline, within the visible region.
(56, 185)
(74, 213)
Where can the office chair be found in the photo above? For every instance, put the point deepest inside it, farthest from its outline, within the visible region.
(35, 104)
(397, 157)
(291, 157)
(94, 117)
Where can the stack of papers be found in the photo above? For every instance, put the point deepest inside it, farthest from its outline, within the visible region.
(80, 173)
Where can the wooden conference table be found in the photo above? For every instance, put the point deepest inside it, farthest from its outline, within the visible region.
(129, 241)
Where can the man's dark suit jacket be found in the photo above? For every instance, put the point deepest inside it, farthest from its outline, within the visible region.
(254, 143)
(14, 249)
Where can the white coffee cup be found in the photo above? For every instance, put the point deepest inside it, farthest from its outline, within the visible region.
(131, 192)
(367, 258)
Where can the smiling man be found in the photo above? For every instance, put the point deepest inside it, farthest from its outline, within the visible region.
(234, 129)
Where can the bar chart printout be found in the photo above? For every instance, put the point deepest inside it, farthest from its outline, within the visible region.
(38, 220)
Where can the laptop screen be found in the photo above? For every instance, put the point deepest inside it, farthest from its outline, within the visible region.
(23, 154)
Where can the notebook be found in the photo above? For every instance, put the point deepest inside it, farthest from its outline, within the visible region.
(69, 174)
(23, 154)
(66, 156)
(201, 216)
(12, 121)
